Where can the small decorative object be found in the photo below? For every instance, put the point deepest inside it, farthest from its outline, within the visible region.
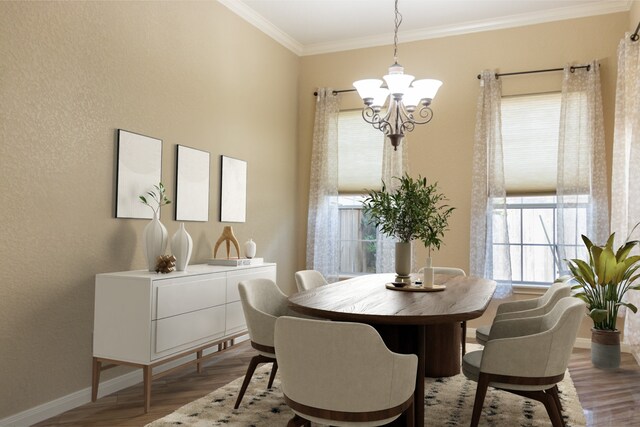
(233, 191)
(139, 166)
(181, 246)
(228, 237)
(603, 280)
(413, 211)
(165, 264)
(155, 235)
(427, 274)
(250, 248)
(192, 185)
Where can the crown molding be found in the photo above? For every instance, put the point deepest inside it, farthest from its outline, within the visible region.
(264, 25)
(519, 20)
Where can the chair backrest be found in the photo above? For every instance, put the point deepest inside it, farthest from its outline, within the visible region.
(535, 346)
(262, 303)
(451, 271)
(309, 279)
(536, 306)
(557, 290)
(341, 366)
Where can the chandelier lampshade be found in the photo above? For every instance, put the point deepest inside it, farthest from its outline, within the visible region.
(407, 100)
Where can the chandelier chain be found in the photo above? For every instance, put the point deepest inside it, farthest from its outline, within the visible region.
(398, 21)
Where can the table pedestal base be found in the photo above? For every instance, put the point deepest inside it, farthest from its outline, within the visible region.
(442, 351)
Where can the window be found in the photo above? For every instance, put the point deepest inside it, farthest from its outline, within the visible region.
(359, 169)
(530, 132)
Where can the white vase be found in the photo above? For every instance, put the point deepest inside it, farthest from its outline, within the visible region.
(154, 241)
(427, 274)
(250, 248)
(403, 259)
(181, 247)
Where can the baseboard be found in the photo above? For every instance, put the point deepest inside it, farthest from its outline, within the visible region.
(579, 343)
(81, 397)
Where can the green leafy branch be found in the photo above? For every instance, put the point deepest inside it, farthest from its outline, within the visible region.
(157, 198)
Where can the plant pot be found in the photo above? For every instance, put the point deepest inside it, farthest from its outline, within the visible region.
(605, 348)
(403, 259)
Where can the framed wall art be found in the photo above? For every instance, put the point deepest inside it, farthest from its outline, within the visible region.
(233, 191)
(139, 168)
(192, 184)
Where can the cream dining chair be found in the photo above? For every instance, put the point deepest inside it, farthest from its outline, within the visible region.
(527, 308)
(342, 374)
(262, 303)
(527, 357)
(309, 279)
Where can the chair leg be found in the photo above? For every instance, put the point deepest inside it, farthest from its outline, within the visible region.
(273, 374)
(253, 364)
(481, 392)
(554, 408)
(410, 415)
(464, 337)
(556, 397)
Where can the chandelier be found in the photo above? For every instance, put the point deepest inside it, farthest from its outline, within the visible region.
(408, 104)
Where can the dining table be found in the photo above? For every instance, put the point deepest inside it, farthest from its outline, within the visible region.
(425, 323)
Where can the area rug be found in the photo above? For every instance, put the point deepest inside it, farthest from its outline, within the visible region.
(448, 402)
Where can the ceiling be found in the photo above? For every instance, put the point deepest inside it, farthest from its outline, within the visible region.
(309, 27)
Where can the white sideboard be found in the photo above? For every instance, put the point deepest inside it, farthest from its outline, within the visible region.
(145, 319)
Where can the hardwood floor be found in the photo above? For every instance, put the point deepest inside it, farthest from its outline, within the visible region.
(609, 398)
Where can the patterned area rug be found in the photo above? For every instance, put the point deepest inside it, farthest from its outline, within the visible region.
(448, 402)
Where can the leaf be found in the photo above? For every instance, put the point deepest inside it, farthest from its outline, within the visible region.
(606, 266)
(598, 315)
(629, 306)
(625, 249)
(143, 200)
(610, 240)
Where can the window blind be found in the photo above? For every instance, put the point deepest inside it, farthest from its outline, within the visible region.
(530, 129)
(359, 154)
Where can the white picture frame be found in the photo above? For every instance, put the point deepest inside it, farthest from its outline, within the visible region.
(233, 190)
(139, 168)
(192, 184)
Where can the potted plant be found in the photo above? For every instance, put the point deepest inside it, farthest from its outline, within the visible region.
(602, 282)
(414, 210)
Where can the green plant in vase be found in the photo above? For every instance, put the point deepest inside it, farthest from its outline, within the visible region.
(414, 210)
(159, 199)
(602, 282)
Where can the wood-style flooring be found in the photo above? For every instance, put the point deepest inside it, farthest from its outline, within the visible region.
(609, 398)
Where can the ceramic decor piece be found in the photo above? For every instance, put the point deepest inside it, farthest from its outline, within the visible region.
(250, 248)
(154, 238)
(182, 246)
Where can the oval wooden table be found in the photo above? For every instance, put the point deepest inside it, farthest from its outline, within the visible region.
(423, 323)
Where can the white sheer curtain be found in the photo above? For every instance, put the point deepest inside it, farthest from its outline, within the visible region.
(394, 163)
(488, 195)
(323, 220)
(625, 185)
(582, 175)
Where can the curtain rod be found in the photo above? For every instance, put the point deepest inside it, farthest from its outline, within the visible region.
(335, 92)
(573, 68)
(634, 36)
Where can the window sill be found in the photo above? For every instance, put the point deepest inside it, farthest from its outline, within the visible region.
(536, 289)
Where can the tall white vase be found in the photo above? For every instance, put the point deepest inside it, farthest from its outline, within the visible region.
(181, 246)
(154, 238)
(403, 260)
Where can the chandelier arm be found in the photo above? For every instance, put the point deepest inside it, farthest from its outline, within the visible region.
(374, 119)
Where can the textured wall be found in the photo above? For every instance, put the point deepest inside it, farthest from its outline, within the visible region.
(442, 150)
(634, 15)
(189, 73)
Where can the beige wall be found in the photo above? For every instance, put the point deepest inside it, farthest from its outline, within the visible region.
(442, 150)
(187, 73)
(634, 15)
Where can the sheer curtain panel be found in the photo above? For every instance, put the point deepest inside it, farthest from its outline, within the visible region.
(323, 220)
(488, 195)
(625, 185)
(582, 175)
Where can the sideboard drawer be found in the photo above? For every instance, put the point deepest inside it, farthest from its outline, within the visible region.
(233, 278)
(235, 318)
(177, 331)
(185, 295)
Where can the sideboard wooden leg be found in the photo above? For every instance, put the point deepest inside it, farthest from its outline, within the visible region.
(199, 364)
(95, 378)
(147, 374)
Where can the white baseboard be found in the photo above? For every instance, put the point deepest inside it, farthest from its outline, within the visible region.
(580, 342)
(81, 397)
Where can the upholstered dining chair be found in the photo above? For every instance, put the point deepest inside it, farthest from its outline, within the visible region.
(527, 308)
(527, 357)
(342, 374)
(453, 271)
(309, 279)
(262, 303)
